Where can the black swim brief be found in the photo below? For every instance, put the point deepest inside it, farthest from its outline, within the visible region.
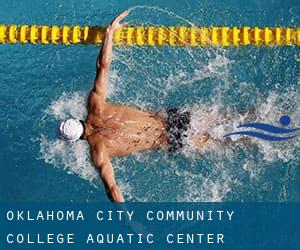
(177, 125)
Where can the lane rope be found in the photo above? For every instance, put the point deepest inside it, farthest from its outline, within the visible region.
(152, 35)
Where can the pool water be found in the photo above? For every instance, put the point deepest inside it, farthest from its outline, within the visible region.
(43, 84)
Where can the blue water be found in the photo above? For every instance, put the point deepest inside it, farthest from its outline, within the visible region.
(42, 84)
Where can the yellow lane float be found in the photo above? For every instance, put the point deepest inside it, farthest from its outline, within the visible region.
(152, 35)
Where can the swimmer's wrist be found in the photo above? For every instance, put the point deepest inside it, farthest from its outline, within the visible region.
(108, 29)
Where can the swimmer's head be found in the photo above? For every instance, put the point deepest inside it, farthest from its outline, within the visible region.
(70, 130)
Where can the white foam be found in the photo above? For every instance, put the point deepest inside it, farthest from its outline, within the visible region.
(72, 157)
(214, 118)
(200, 188)
(271, 110)
(68, 105)
(188, 183)
(217, 121)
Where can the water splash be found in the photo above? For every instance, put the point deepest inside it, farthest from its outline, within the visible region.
(74, 158)
(192, 185)
(211, 84)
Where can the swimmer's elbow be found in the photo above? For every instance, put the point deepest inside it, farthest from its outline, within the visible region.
(105, 63)
(115, 194)
(98, 163)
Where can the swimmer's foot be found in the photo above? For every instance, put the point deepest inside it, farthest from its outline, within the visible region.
(200, 140)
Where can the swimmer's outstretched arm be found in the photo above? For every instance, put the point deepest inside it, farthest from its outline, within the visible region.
(105, 56)
(103, 164)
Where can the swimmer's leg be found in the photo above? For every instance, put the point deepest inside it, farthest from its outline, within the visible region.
(200, 140)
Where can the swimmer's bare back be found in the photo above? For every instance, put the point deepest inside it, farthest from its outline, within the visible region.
(113, 129)
(124, 130)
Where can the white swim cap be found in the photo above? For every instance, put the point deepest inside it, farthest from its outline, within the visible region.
(70, 130)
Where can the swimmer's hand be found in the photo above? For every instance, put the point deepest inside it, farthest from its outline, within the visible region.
(115, 24)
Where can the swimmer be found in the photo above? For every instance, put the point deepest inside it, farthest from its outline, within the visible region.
(114, 130)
